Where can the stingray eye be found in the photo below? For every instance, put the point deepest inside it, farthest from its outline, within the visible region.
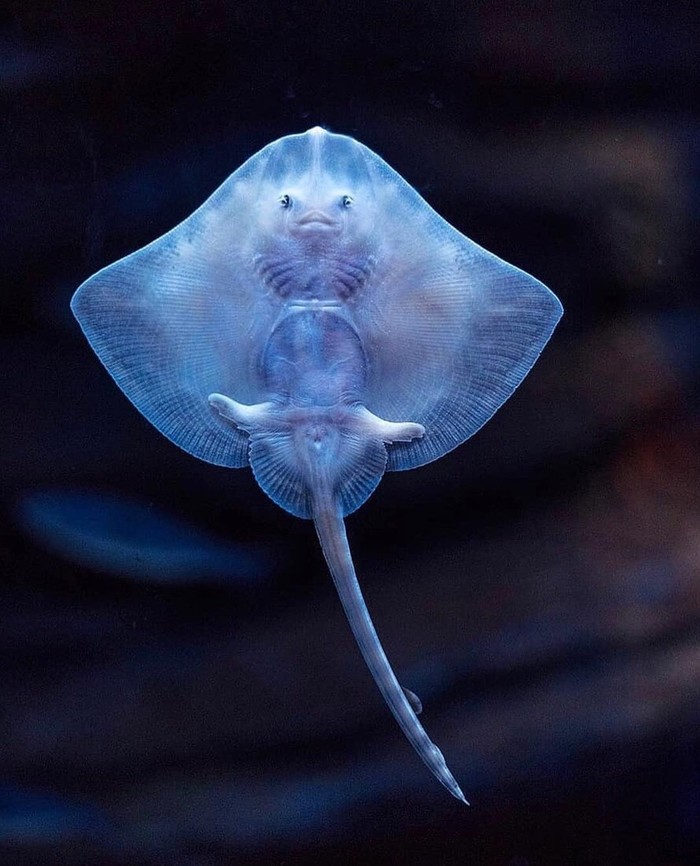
(347, 201)
(285, 201)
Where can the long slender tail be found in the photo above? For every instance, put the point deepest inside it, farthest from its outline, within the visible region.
(334, 542)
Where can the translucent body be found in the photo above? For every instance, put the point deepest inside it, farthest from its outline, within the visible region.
(316, 318)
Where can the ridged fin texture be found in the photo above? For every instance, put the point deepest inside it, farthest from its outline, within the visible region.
(453, 329)
(356, 468)
(182, 318)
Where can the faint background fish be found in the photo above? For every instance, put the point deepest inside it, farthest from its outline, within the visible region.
(137, 540)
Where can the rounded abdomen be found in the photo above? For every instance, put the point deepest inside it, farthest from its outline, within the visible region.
(314, 357)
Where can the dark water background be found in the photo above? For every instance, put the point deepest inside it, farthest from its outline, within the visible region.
(177, 681)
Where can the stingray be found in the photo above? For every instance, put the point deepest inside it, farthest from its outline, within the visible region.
(317, 319)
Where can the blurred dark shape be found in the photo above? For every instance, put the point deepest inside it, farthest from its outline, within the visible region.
(43, 388)
(639, 534)
(127, 538)
(23, 66)
(31, 817)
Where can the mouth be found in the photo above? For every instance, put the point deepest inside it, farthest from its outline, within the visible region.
(316, 218)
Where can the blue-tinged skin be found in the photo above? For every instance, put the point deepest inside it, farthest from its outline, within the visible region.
(317, 319)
